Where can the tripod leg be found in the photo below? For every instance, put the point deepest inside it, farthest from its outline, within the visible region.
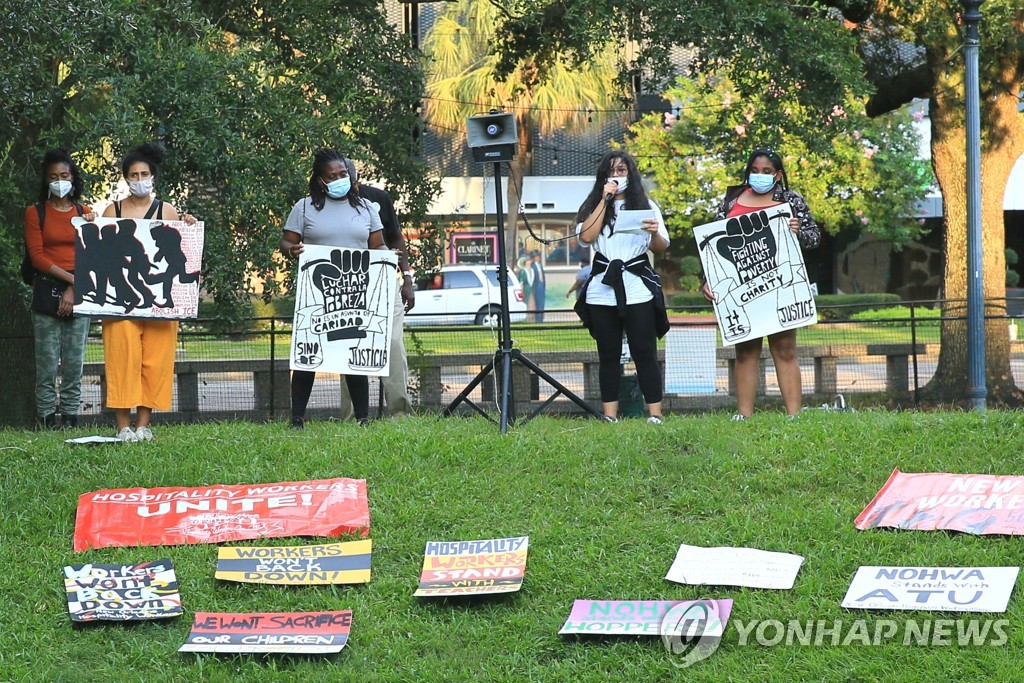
(464, 395)
(507, 404)
(558, 386)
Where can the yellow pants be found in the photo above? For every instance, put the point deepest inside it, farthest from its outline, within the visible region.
(139, 358)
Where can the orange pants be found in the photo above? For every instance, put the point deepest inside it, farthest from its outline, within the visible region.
(139, 358)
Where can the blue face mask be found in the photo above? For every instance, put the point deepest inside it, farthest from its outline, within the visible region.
(336, 189)
(761, 183)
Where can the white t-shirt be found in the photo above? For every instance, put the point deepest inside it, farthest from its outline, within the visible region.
(338, 224)
(624, 246)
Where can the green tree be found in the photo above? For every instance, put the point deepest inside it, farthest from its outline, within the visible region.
(544, 95)
(892, 50)
(239, 93)
(867, 180)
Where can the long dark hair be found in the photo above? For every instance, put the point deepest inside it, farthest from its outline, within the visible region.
(150, 153)
(636, 196)
(772, 156)
(317, 194)
(60, 156)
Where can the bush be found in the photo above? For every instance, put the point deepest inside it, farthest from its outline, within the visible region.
(693, 300)
(845, 306)
(830, 306)
(923, 317)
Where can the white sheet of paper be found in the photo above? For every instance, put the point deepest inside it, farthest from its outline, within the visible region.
(734, 567)
(93, 440)
(937, 589)
(632, 220)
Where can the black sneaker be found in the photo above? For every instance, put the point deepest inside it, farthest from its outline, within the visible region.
(69, 421)
(50, 421)
(298, 423)
(363, 422)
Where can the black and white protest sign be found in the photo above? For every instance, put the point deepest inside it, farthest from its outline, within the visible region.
(343, 308)
(756, 271)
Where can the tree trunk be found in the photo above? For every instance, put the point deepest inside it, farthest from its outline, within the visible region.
(1002, 144)
(520, 165)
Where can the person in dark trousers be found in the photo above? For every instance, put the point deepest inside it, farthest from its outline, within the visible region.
(334, 215)
(623, 293)
(396, 384)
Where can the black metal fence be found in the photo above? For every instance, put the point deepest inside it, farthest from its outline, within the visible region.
(874, 357)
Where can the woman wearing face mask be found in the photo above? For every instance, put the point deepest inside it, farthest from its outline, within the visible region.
(139, 353)
(59, 336)
(623, 293)
(765, 184)
(335, 216)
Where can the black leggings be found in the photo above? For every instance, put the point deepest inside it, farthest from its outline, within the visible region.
(358, 388)
(606, 328)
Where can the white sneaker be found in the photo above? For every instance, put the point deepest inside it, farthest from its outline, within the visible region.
(127, 435)
(739, 418)
(143, 434)
(654, 420)
(609, 418)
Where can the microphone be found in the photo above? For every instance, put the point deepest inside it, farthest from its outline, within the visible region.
(611, 195)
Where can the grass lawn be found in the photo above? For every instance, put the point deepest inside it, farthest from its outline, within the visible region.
(605, 506)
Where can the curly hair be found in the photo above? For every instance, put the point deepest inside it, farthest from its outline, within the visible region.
(149, 153)
(60, 156)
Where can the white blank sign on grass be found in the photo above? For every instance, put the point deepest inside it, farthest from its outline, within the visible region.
(734, 567)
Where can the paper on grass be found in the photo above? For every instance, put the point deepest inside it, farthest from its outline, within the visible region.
(937, 589)
(93, 440)
(632, 220)
(734, 567)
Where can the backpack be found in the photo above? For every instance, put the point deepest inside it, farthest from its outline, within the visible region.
(28, 272)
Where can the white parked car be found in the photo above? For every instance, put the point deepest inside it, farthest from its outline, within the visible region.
(465, 295)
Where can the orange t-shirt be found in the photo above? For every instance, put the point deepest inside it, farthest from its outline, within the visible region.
(55, 243)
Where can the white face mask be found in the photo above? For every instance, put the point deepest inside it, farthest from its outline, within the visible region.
(621, 181)
(60, 188)
(141, 188)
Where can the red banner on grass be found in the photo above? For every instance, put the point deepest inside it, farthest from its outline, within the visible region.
(977, 504)
(213, 514)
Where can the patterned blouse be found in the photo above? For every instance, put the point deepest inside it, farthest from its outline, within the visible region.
(810, 233)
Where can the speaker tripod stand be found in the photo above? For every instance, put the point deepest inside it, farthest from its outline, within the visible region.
(505, 355)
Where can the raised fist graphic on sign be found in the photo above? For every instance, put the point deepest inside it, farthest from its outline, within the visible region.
(749, 245)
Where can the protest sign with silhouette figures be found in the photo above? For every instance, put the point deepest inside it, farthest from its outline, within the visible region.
(137, 268)
(756, 270)
(343, 308)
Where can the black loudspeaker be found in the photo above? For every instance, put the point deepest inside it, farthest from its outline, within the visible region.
(492, 137)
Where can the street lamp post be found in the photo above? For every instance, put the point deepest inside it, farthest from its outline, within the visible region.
(976, 390)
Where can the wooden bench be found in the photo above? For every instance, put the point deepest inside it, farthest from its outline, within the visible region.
(897, 362)
(270, 383)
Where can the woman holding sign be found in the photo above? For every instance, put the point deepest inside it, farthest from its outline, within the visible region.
(623, 293)
(50, 247)
(765, 184)
(334, 216)
(139, 353)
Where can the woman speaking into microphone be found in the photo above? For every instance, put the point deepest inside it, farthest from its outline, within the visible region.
(623, 293)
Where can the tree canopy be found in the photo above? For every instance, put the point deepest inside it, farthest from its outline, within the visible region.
(868, 180)
(890, 51)
(239, 93)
